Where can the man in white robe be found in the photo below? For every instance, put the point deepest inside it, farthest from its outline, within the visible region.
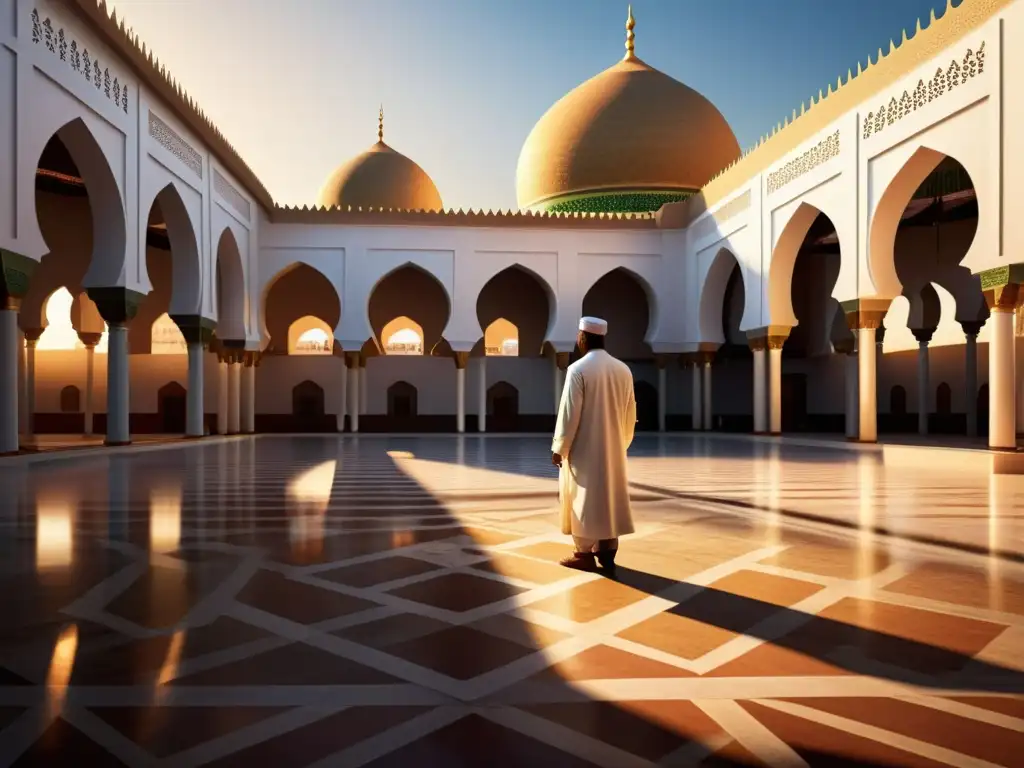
(596, 420)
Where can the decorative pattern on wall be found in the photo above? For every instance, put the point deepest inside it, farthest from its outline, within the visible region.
(944, 81)
(820, 153)
(225, 189)
(77, 57)
(169, 139)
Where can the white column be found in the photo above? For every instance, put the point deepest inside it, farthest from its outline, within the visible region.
(248, 419)
(971, 380)
(760, 380)
(194, 399)
(852, 422)
(561, 362)
(481, 408)
(342, 395)
(363, 388)
(1002, 411)
(31, 339)
(923, 383)
(234, 396)
(662, 393)
(775, 386)
(697, 420)
(867, 400)
(460, 399)
(90, 387)
(118, 385)
(353, 391)
(21, 377)
(706, 392)
(10, 352)
(223, 405)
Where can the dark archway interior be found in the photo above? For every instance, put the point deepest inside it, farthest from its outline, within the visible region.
(621, 300)
(171, 406)
(299, 292)
(519, 297)
(410, 292)
(402, 402)
(502, 407)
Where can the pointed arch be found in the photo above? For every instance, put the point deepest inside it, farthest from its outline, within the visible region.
(231, 297)
(310, 335)
(712, 295)
(523, 297)
(625, 300)
(106, 204)
(186, 263)
(783, 261)
(501, 338)
(296, 290)
(413, 292)
(402, 336)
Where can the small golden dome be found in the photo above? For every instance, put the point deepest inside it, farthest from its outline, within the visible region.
(630, 128)
(380, 177)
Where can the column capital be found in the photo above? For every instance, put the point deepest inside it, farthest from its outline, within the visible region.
(865, 313)
(195, 328)
(15, 275)
(705, 356)
(32, 335)
(251, 358)
(90, 340)
(461, 360)
(662, 360)
(351, 359)
(1004, 298)
(362, 359)
(233, 350)
(1001, 286)
(768, 337)
(688, 359)
(972, 328)
(923, 335)
(116, 305)
(562, 360)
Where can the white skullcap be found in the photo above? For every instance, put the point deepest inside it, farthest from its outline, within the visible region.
(594, 325)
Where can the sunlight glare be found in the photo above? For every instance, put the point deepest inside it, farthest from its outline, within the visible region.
(62, 662)
(54, 533)
(164, 519)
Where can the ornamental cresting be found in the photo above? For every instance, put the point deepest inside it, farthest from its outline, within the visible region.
(169, 139)
(77, 57)
(820, 153)
(943, 82)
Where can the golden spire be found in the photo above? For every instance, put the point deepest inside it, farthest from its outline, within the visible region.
(380, 125)
(630, 23)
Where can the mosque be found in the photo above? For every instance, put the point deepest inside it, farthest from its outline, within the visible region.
(857, 271)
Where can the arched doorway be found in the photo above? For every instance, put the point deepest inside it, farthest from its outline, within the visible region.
(308, 407)
(403, 407)
(171, 408)
(503, 407)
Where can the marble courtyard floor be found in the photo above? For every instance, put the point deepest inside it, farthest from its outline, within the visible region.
(287, 601)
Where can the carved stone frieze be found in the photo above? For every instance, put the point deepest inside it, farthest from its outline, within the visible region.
(820, 153)
(172, 141)
(234, 198)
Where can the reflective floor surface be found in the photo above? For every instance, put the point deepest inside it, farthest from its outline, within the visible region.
(397, 602)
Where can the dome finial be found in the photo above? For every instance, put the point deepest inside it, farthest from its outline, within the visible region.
(380, 125)
(630, 23)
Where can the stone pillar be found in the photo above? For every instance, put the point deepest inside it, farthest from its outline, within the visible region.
(117, 307)
(561, 364)
(461, 359)
(847, 347)
(759, 348)
(1002, 293)
(223, 387)
(923, 336)
(971, 331)
(775, 341)
(481, 409)
(20, 395)
(706, 358)
(90, 340)
(10, 386)
(697, 400)
(363, 388)
(661, 361)
(198, 332)
(248, 419)
(342, 401)
(31, 341)
(234, 393)
(864, 317)
(352, 363)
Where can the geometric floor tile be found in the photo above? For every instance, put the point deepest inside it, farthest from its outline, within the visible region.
(590, 601)
(295, 601)
(378, 571)
(61, 744)
(972, 587)
(603, 662)
(457, 592)
(460, 652)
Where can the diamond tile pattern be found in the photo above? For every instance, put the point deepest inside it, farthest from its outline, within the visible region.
(298, 601)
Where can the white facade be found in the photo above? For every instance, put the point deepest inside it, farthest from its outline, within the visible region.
(140, 146)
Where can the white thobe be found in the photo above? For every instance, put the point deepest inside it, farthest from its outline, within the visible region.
(596, 420)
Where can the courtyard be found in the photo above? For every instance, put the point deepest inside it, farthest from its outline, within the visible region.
(386, 601)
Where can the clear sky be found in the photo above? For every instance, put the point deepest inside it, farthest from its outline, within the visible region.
(295, 84)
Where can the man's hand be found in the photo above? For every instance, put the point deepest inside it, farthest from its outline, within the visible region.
(556, 459)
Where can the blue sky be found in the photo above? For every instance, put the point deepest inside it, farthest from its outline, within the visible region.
(295, 84)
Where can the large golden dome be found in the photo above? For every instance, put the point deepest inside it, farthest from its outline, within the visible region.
(630, 130)
(380, 177)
